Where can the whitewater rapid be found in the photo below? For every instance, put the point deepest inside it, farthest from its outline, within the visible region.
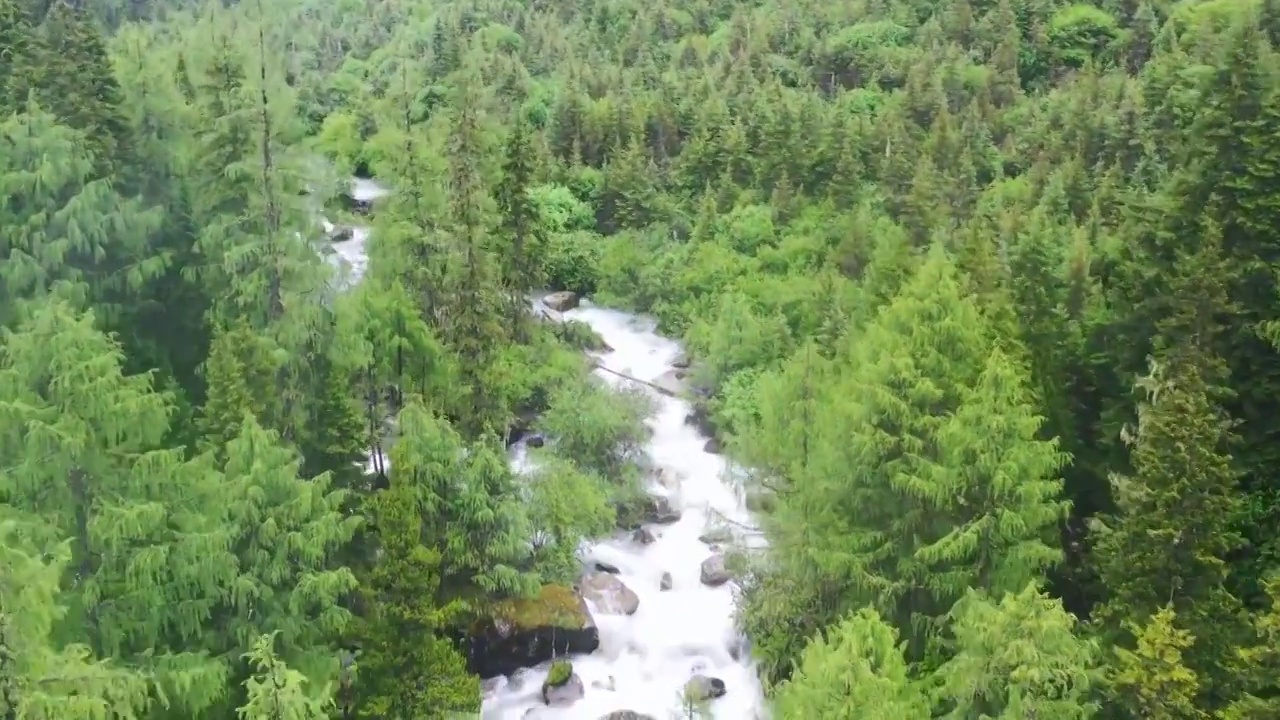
(645, 659)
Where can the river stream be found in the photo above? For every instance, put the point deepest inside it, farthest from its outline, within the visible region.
(644, 659)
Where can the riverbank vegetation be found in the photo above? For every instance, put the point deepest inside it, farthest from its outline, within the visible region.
(984, 290)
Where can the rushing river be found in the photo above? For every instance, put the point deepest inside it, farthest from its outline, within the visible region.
(644, 659)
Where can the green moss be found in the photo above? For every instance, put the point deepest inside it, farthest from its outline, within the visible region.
(559, 674)
(553, 606)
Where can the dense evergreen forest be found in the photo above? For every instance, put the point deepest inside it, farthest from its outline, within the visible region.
(980, 292)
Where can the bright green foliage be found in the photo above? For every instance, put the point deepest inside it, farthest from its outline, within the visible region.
(38, 681)
(1018, 658)
(276, 692)
(1152, 681)
(1100, 182)
(407, 668)
(600, 431)
(81, 446)
(855, 670)
(939, 482)
(566, 506)
(469, 506)
(287, 530)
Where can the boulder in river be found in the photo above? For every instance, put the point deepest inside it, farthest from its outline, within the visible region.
(530, 631)
(643, 536)
(562, 301)
(714, 572)
(646, 510)
(700, 418)
(605, 567)
(712, 447)
(610, 595)
(702, 688)
(665, 583)
(341, 233)
(562, 687)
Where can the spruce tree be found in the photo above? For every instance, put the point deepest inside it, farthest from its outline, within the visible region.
(469, 506)
(408, 668)
(853, 671)
(81, 444)
(1174, 526)
(287, 531)
(38, 679)
(277, 692)
(1020, 657)
(950, 488)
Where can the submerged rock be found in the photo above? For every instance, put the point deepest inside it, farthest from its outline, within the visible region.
(605, 567)
(610, 595)
(530, 631)
(562, 301)
(643, 536)
(626, 715)
(701, 688)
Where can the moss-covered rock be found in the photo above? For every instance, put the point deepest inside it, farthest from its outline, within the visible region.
(559, 673)
(527, 632)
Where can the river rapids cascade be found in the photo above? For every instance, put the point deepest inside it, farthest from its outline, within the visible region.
(682, 627)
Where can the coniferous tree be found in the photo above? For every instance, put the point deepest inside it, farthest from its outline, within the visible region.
(855, 671)
(277, 692)
(81, 443)
(408, 668)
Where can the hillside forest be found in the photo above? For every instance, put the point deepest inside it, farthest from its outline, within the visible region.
(980, 291)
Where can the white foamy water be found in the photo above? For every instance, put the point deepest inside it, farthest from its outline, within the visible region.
(645, 659)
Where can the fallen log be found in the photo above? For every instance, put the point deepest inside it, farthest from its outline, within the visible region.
(659, 388)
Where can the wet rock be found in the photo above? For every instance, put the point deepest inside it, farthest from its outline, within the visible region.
(700, 418)
(563, 692)
(626, 715)
(535, 441)
(668, 479)
(646, 510)
(713, 571)
(643, 536)
(577, 334)
(701, 688)
(530, 631)
(340, 233)
(609, 594)
(670, 383)
(562, 301)
(682, 361)
(605, 567)
(665, 583)
(712, 446)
